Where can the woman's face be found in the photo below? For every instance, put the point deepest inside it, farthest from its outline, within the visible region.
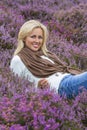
(35, 39)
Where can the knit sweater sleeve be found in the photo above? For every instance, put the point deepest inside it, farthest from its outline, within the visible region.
(17, 66)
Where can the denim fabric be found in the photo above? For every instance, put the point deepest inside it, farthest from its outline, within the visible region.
(71, 85)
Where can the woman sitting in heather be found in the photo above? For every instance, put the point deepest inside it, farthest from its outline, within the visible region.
(32, 60)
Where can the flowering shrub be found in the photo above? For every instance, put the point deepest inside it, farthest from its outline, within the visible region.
(74, 55)
(10, 23)
(23, 107)
(75, 21)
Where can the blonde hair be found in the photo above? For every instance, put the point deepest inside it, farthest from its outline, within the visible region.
(27, 28)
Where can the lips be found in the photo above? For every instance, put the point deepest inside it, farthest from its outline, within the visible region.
(35, 45)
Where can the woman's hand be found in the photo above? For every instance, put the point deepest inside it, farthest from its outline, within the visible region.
(43, 83)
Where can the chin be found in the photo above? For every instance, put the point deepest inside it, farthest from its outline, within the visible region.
(35, 49)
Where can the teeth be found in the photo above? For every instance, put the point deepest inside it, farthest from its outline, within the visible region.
(35, 44)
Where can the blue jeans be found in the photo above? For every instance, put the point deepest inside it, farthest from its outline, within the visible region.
(71, 85)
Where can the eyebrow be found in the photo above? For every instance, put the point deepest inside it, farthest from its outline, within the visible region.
(35, 35)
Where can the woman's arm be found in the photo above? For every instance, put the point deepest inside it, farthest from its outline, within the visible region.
(17, 66)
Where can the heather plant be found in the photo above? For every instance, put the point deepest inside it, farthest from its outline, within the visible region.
(25, 107)
(10, 23)
(80, 106)
(33, 11)
(75, 21)
(22, 106)
(74, 55)
(5, 57)
(56, 4)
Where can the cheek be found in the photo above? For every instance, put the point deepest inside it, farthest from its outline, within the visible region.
(27, 41)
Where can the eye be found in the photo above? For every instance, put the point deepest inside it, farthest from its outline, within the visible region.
(40, 37)
(33, 36)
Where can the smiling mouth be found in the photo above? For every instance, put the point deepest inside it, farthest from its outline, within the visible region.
(35, 45)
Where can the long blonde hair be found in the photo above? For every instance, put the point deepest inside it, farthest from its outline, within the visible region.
(27, 28)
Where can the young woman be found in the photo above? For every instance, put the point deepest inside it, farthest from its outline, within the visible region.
(33, 61)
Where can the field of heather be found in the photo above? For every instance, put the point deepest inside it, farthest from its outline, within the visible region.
(22, 107)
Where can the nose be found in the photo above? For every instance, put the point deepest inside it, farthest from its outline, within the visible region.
(37, 39)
